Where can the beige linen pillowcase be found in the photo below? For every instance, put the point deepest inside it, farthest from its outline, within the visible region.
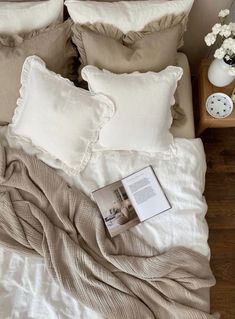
(151, 49)
(52, 44)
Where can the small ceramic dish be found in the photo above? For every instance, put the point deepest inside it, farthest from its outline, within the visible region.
(219, 105)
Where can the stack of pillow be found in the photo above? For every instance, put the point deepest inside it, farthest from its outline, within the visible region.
(29, 28)
(129, 36)
(127, 54)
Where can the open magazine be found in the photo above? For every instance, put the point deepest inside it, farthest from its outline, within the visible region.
(130, 201)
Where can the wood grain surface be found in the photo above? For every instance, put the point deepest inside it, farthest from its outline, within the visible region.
(205, 90)
(220, 194)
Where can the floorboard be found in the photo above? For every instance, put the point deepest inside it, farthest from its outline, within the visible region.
(220, 194)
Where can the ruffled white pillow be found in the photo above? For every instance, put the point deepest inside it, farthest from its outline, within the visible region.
(143, 107)
(57, 118)
(125, 15)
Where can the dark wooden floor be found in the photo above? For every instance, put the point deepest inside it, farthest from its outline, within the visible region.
(220, 194)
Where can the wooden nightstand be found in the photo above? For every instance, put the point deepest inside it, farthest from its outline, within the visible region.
(205, 89)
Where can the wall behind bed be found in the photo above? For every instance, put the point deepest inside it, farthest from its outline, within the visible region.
(203, 16)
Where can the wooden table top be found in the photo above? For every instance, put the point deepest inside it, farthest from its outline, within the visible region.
(206, 89)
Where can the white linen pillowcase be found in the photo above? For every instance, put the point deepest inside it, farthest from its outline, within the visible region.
(143, 107)
(125, 15)
(57, 118)
(16, 17)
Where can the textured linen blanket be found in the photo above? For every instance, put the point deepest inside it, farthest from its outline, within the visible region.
(119, 278)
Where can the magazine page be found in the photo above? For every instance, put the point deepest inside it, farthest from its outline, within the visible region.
(116, 208)
(146, 193)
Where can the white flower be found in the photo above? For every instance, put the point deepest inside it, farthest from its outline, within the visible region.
(219, 53)
(232, 26)
(229, 44)
(225, 30)
(227, 58)
(224, 13)
(216, 28)
(231, 71)
(210, 39)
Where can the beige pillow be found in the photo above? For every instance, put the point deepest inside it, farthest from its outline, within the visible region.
(151, 49)
(52, 44)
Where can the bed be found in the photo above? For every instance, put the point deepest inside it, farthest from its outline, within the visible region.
(26, 288)
(128, 55)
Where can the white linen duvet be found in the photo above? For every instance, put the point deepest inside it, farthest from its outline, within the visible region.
(26, 288)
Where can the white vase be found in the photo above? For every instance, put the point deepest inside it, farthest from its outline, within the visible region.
(218, 73)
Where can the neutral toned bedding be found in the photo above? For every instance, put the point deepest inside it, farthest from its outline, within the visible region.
(182, 111)
(119, 278)
(127, 15)
(150, 49)
(183, 125)
(29, 15)
(57, 117)
(26, 288)
(52, 44)
(182, 176)
(143, 107)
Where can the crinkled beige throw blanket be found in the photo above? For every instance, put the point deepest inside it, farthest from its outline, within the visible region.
(122, 278)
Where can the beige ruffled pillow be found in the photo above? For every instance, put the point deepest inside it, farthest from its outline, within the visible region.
(151, 49)
(52, 44)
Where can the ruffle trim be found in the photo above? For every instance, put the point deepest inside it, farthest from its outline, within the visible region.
(171, 71)
(178, 115)
(108, 30)
(16, 39)
(109, 110)
(13, 41)
(167, 22)
(106, 117)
